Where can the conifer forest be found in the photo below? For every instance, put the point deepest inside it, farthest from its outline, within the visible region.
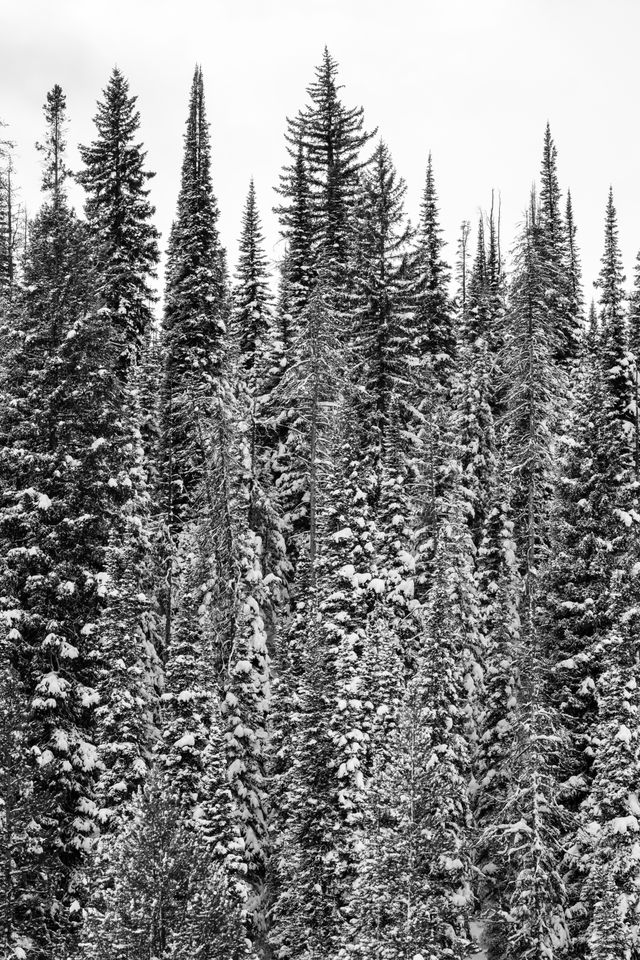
(319, 580)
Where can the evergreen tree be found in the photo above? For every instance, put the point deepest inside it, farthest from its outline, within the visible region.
(119, 215)
(195, 315)
(332, 137)
(414, 888)
(324, 789)
(613, 322)
(383, 324)
(436, 335)
(252, 318)
(55, 273)
(558, 252)
(527, 898)
(575, 270)
(169, 897)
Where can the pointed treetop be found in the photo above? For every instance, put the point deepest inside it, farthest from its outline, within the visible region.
(611, 277)
(550, 189)
(53, 148)
(429, 230)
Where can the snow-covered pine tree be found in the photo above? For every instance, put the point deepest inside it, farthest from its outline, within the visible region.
(475, 323)
(257, 354)
(70, 476)
(326, 759)
(593, 535)
(168, 897)
(558, 251)
(476, 434)
(252, 321)
(613, 323)
(536, 384)
(297, 273)
(319, 189)
(195, 312)
(332, 137)
(124, 256)
(576, 306)
(596, 486)
(609, 825)
(119, 215)
(55, 273)
(22, 901)
(522, 843)
(435, 324)
(413, 893)
(383, 323)
(608, 938)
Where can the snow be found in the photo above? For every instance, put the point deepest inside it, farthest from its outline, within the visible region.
(186, 740)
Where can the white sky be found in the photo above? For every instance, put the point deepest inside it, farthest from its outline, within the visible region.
(473, 80)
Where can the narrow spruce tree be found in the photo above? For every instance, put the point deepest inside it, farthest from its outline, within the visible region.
(257, 358)
(613, 321)
(436, 334)
(575, 272)
(195, 314)
(119, 215)
(383, 321)
(559, 254)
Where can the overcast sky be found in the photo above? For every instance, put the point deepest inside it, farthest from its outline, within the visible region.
(474, 81)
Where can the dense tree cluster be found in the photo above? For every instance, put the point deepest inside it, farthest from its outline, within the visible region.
(319, 592)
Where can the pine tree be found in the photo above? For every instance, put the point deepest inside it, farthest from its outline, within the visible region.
(297, 268)
(71, 477)
(119, 215)
(575, 270)
(168, 897)
(413, 893)
(436, 335)
(383, 322)
(475, 320)
(10, 227)
(536, 383)
(321, 811)
(320, 188)
(526, 899)
(195, 315)
(332, 137)
(613, 324)
(252, 317)
(55, 274)
(462, 270)
(608, 938)
(22, 921)
(558, 251)
(257, 356)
